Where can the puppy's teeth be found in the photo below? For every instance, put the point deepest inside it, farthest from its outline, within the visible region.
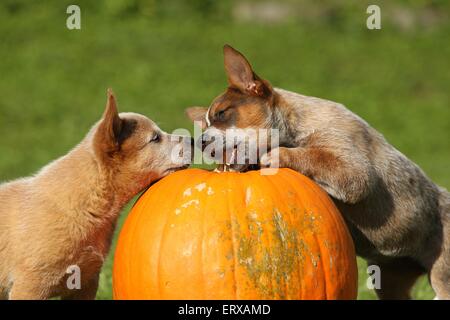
(233, 155)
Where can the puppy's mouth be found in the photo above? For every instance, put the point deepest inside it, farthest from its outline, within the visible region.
(230, 151)
(176, 168)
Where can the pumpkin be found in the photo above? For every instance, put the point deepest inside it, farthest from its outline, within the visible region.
(198, 234)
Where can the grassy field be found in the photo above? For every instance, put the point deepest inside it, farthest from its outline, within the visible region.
(53, 81)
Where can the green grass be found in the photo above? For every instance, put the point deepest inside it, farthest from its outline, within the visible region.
(53, 81)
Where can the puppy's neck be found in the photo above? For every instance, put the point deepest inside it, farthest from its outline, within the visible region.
(102, 198)
(286, 118)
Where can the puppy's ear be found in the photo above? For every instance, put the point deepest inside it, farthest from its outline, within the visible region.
(107, 135)
(241, 76)
(197, 114)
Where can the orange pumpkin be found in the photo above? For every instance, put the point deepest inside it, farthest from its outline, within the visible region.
(205, 235)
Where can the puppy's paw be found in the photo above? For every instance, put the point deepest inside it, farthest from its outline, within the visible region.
(271, 159)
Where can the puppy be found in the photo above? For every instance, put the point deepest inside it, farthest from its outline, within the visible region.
(65, 215)
(399, 219)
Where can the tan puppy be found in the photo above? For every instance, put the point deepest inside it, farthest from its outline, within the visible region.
(65, 215)
(399, 219)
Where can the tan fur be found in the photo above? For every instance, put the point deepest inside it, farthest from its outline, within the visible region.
(399, 219)
(66, 213)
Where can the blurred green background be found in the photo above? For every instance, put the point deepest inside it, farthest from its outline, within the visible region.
(163, 56)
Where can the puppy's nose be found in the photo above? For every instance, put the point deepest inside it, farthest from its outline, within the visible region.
(192, 143)
(187, 149)
(203, 141)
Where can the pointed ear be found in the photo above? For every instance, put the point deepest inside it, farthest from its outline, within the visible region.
(197, 114)
(107, 136)
(241, 76)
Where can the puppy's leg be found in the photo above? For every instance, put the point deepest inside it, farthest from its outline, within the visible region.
(346, 179)
(440, 268)
(397, 279)
(88, 291)
(440, 277)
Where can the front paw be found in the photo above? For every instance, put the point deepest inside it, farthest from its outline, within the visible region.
(275, 158)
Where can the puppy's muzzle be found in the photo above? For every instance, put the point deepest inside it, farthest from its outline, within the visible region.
(185, 150)
(206, 140)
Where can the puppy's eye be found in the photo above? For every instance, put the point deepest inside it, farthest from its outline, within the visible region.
(155, 138)
(220, 116)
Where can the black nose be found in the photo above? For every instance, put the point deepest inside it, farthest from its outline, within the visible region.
(203, 141)
(192, 142)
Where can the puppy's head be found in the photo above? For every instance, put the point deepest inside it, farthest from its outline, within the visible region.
(245, 106)
(135, 150)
